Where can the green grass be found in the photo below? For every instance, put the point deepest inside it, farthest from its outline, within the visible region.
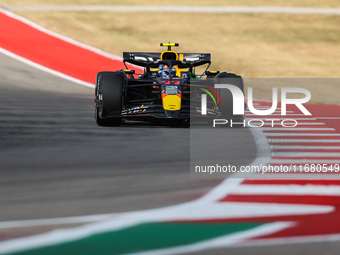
(142, 238)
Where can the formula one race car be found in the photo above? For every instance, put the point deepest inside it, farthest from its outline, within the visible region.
(167, 91)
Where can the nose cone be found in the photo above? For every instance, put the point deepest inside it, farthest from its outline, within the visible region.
(171, 102)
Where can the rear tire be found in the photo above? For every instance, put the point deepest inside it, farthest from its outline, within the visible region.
(111, 86)
(226, 97)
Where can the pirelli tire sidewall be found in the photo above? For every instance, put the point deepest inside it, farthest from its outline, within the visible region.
(111, 86)
(226, 97)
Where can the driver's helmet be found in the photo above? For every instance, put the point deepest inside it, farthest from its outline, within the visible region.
(164, 71)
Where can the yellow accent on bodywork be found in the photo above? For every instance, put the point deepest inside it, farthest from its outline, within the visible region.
(168, 44)
(169, 51)
(179, 71)
(181, 57)
(172, 102)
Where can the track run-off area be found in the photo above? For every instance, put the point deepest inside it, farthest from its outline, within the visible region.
(297, 208)
(183, 9)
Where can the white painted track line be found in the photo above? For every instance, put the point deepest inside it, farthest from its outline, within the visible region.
(307, 154)
(290, 123)
(300, 123)
(304, 161)
(45, 69)
(293, 147)
(284, 118)
(287, 190)
(309, 123)
(296, 129)
(301, 134)
(260, 124)
(276, 114)
(182, 8)
(328, 118)
(248, 111)
(264, 108)
(304, 140)
(298, 176)
(54, 221)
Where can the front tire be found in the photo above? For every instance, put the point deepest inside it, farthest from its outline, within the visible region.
(110, 87)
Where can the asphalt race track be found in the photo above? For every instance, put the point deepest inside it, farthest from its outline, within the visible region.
(56, 162)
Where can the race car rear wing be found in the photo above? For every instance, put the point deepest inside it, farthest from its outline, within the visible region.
(143, 58)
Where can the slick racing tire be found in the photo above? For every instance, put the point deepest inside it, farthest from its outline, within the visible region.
(111, 86)
(226, 97)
